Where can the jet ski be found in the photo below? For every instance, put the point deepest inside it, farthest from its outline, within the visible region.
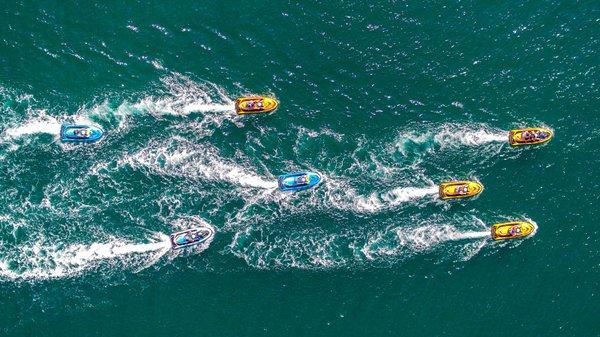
(298, 181)
(191, 237)
(459, 189)
(255, 105)
(529, 136)
(512, 230)
(79, 133)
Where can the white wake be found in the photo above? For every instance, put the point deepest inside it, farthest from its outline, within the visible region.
(41, 261)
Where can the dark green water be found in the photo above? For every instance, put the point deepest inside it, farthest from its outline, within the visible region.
(385, 100)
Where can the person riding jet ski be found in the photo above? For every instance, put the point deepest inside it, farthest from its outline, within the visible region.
(534, 136)
(85, 133)
(541, 135)
(302, 180)
(462, 190)
(514, 231)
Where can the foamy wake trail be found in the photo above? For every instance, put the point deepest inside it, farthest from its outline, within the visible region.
(338, 193)
(334, 193)
(56, 261)
(179, 157)
(465, 135)
(185, 96)
(471, 235)
(199, 107)
(179, 96)
(44, 124)
(376, 202)
(449, 136)
(180, 106)
(433, 234)
(315, 248)
(411, 239)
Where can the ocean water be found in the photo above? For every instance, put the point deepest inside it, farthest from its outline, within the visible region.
(385, 99)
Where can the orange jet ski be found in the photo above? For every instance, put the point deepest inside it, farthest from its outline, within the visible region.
(459, 189)
(255, 105)
(529, 136)
(512, 230)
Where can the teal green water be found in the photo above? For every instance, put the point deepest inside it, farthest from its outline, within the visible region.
(385, 100)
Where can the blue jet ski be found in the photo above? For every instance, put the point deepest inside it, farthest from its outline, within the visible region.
(191, 237)
(298, 181)
(79, 133)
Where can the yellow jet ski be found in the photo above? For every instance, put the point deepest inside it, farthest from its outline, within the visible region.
(512, 230)
(459, 189)
(255, 105)
(529, 136)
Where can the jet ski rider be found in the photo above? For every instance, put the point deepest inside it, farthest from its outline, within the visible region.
(190, 237)
(462, 190)
(514, 231)
(256, 105)
(527, 136)
(531, 136)
(85, 133)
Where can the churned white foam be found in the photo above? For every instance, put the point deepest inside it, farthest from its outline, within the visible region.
(395, 197)
(422, 238)
(239, 175)
(449, 135)
(178, 157)
(303, 250)
(453, 135)
(186, 222)
(106, 113)
(179, 95)
(314, 248)
(81, 117)
(177, 106)
(332, 193)
(470, 235)
(185, 96)
(55, 261)
(42, 124)
(206, 107)
(340, 195)
(410, 240)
